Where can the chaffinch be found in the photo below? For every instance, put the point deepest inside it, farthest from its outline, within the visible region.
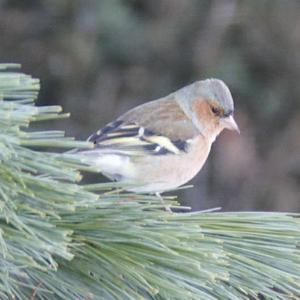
(162, 144)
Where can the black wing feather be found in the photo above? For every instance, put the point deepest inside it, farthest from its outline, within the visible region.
(132, 137)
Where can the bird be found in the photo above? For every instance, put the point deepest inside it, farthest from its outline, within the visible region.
(160, 145)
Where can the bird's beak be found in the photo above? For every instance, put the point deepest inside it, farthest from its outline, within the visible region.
(230, 123)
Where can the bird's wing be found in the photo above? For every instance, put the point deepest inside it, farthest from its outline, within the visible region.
(156, 128)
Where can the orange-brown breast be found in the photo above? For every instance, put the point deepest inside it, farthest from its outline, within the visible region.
(170, 171)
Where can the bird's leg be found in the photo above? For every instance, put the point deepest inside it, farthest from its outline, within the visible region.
(167, 207)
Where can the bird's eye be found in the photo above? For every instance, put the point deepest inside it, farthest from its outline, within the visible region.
(216, 111)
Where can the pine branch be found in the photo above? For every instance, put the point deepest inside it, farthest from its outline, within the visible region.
(63, 240)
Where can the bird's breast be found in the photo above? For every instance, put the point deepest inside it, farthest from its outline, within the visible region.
(170, 171)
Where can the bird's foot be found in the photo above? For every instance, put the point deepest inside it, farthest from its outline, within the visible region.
(167, 207)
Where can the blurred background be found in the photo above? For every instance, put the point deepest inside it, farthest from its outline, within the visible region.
(99, 58)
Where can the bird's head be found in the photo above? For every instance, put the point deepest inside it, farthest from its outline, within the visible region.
(210, 104)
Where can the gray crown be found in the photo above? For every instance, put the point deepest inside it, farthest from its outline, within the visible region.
(214, 89)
